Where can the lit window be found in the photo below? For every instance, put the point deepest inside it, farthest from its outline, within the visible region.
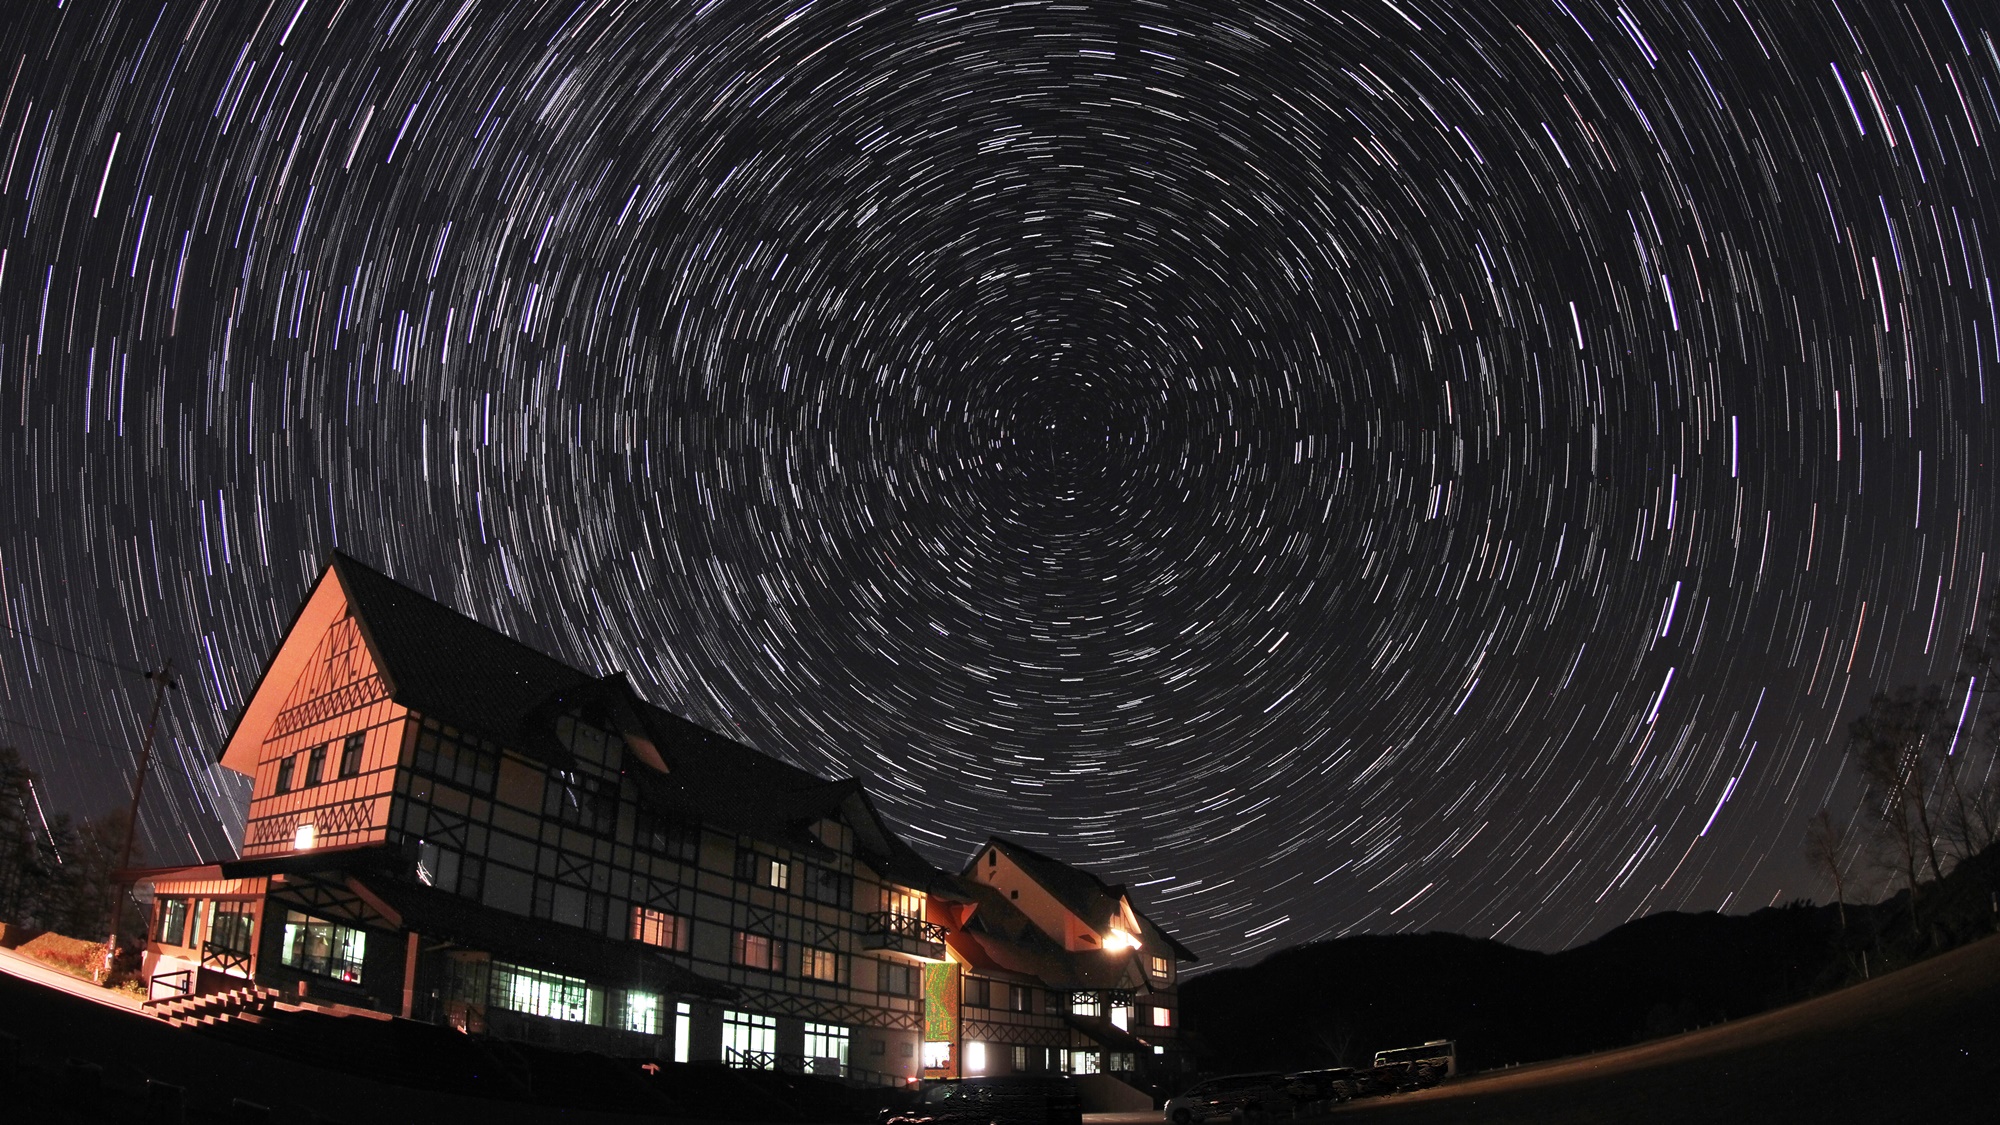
(754, 867)
(975, 1057)
(748, 1040)
(759, 951)
(1083, 1062)
(1160, 965)
(1121, 1017)
(683, 1029)
(657, 927)
(819, 964)
(1163, 1017)
(1021, 1060)
(937, 1056)
(642, 1013)
(539, 993)
(827, 1047)
(1086, 1004)
(314, 945)
(302, 838)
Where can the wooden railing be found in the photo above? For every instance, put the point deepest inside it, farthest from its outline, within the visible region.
(222, 958)
(180, 982)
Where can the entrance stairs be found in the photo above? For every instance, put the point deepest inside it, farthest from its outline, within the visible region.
(247, 1003)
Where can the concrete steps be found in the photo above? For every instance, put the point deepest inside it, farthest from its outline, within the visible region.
(245, 1002)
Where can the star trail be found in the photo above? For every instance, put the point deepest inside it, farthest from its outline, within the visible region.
(1364, 466)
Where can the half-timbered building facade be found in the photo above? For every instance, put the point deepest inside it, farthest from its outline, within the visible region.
(447, 825)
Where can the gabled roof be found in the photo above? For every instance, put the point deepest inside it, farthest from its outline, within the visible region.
(438, 661)
(998, 935)
(443, 664)
(1081, 893)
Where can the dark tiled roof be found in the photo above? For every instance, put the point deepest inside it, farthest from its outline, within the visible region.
(1080, 892)
(441, 662)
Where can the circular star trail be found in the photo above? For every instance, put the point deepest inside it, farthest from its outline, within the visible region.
(1367, 465)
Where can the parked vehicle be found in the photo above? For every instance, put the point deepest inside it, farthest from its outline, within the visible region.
(999, 1099)
(1317, 1091)
(1237, 1097)
(1421, 1066)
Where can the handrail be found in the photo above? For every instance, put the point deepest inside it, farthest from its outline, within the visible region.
(902, 925)
(180, 982)
(788, 1063)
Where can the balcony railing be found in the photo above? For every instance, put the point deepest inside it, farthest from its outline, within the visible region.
(816, 1067)
(900, 933)
(222, 958)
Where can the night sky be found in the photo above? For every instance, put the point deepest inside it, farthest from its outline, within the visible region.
(1357, 466)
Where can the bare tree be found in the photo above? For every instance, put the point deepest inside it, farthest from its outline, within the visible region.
(1896, 746)
(1826, 849)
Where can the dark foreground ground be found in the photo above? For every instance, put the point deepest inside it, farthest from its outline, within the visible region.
(1921, 1045)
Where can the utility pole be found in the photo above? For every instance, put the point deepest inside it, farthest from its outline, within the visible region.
(162, 680)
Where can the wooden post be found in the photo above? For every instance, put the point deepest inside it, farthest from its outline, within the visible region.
(162, 680)
(410, 974)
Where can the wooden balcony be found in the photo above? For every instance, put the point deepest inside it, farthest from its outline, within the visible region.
(910, 939)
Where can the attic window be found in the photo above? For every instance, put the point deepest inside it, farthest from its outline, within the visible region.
(992, 859)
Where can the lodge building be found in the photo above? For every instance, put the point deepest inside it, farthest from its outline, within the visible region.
(446, 825)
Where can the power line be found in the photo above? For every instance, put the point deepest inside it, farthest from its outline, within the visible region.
(73, 651)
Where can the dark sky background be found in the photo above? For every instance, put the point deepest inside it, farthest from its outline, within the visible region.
(1355, 466)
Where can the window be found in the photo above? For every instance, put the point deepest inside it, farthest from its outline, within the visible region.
(314, 945)
(975, 1057)
(642, 1013)
(284, 775)
(1083, 1062)
(1121, 1062)
(819, 964)
(663, 836)
(754, 867)
(1121, 1016)
(446, 754)
(581, 801)
(229, 927)
(827, 1047)
(905, 904)
(350, 754)
(1163, 1017)
(759, 951)
(1023, 998)
(829, 886)
(539, 993)
(683, 1029)
(744, 1034)
(1086, 1004)
(937, 1056)
(170, 926)
(447, 869)
(897, 979)
(978, 992)
(657, 927)
(1021, 1060)
(315, 762)
(1159, 965)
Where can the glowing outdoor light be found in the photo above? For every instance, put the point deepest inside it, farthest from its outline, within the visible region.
(302, 839)
(1119, 939)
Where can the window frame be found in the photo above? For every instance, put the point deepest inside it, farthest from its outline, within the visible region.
(351, 749)
(744, 943)
(673, 929)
